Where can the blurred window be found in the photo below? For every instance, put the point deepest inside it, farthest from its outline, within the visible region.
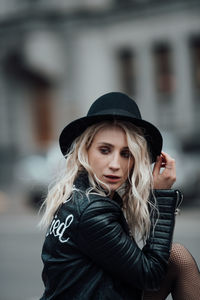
(126, 62)
(195, 53)
(133, 2)
(164, 78)
(42, 116)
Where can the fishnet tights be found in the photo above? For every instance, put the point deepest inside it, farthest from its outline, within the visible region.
(182, 279)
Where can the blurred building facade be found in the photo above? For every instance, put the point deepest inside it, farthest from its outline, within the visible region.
(56, 57)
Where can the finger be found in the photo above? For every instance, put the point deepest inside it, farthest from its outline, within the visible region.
(170, 169)
(166, 156)
(157, 165)
(169, 161)
(163, 161)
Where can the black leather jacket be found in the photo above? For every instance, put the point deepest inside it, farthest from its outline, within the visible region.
(89, 254)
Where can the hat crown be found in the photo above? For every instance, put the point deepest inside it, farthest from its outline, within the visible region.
(112, 106)
(115, 103)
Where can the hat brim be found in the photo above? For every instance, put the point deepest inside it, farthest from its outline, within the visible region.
(77, 127)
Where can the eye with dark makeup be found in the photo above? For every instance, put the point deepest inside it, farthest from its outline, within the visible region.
(126, 153)
(104, 150)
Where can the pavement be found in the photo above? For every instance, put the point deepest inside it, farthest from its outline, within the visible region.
(21, 244)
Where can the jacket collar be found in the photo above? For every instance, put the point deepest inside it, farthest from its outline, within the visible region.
(82, 183)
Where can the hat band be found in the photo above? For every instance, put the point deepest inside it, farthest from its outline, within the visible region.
(118, 112)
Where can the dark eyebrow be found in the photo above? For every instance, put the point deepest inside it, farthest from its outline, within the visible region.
(110, 145)
(105, 144)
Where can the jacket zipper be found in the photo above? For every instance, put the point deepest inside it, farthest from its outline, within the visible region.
(179, 200)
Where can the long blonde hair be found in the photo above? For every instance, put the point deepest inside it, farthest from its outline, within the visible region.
(136, 191)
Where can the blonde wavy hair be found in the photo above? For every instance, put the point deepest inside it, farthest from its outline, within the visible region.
(135, 192)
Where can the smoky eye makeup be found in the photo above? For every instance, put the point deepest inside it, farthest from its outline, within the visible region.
(126, 154)
(104, 149)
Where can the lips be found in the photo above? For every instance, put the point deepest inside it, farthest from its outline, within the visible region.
(112, 178)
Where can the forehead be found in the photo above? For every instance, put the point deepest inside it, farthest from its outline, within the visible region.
(111, 134)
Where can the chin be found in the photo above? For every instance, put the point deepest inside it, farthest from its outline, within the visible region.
(113, 189)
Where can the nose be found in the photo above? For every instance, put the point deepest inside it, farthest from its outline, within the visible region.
(114, 163)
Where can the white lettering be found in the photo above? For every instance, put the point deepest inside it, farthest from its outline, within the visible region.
(58, 228)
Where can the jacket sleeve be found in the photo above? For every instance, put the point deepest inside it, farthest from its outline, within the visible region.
(102, 238)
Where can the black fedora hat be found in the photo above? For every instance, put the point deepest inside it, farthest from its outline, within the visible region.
(112, 106)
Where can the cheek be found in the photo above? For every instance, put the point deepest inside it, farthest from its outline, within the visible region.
(128, 168)
(94, 160)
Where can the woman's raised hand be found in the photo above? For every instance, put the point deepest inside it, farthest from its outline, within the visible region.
(164, 179)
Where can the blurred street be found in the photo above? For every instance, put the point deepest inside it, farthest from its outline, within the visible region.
(20, 249)
(21, 243)
(56, 58)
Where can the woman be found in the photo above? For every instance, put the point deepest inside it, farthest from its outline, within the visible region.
(107, 198)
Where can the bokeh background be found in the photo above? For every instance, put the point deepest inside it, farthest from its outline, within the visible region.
(56, 58)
